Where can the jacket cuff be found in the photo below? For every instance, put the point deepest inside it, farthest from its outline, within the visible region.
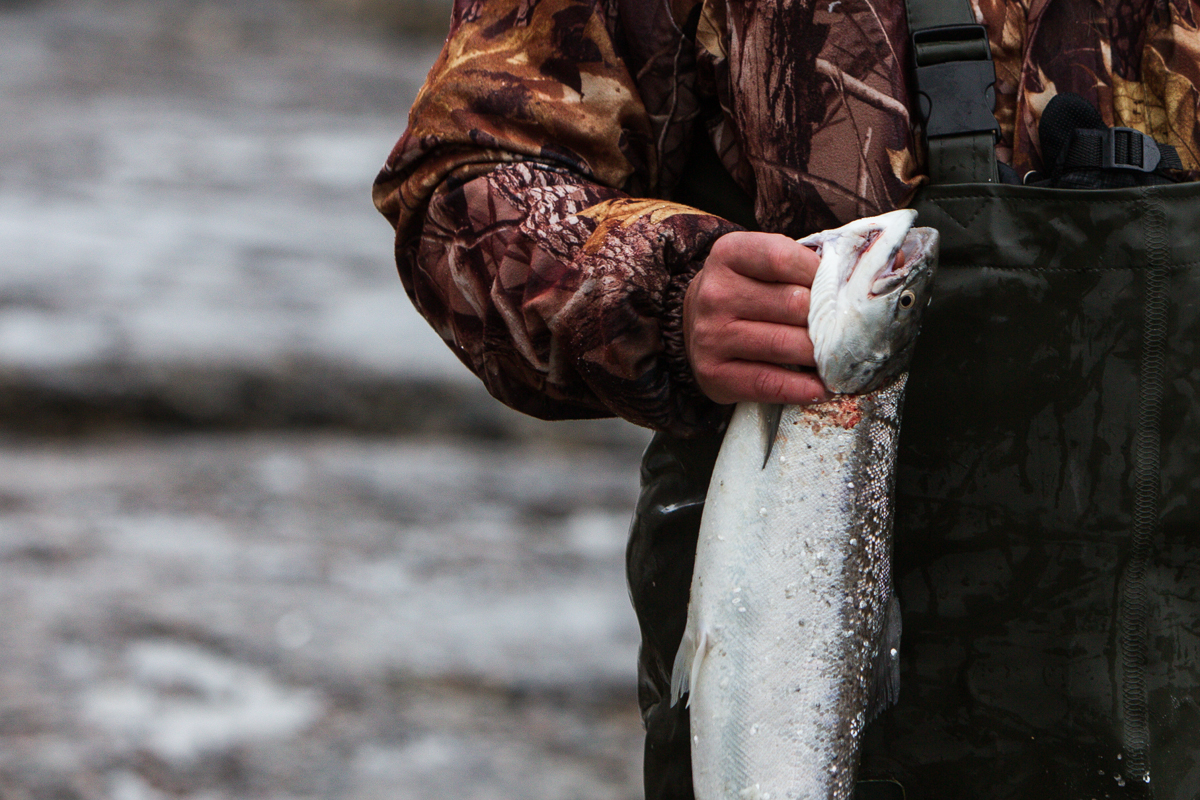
(696, 412)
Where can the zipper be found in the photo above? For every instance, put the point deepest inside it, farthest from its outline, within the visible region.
(1135, 594)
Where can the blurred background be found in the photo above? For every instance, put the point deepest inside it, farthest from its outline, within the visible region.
(261, 536)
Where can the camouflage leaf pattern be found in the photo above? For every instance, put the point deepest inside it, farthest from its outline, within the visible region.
(512, 191)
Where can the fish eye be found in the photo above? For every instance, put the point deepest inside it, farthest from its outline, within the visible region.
(907, 299)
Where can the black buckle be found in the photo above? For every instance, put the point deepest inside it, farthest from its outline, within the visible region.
(1126, 137)
(951, 43)
(955, 95)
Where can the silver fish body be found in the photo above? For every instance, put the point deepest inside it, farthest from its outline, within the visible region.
(792, 632)
(790, 596)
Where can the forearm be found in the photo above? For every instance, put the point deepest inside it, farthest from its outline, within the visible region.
(565, 297)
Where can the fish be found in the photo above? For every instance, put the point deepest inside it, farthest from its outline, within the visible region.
(792, 636)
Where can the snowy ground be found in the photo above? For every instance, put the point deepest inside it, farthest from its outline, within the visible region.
(260, 535)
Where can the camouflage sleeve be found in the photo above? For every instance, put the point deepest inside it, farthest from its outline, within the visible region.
(518, 232)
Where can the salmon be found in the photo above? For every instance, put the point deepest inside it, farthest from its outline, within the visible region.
(792, 636)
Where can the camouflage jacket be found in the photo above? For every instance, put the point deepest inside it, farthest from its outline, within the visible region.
(532, 192)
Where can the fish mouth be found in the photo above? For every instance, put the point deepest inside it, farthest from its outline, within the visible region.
(906, 258)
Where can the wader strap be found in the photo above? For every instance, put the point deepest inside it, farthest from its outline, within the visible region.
(956, 93)
(1122, 149)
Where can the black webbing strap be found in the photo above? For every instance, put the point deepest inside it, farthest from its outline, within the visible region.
(955, 81)
(1118, 148)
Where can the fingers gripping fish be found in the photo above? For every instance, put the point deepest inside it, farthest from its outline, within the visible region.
(792, 631)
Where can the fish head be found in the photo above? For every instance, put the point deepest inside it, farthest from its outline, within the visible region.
(873, 283)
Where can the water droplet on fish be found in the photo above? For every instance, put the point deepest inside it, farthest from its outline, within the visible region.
(1119, 756)
(1146, 778)
(895, 652)
(854, 542)
(833, 770)
(783, 459)
(762, 512)
(723, 682)
(753, 730)
(742, 610)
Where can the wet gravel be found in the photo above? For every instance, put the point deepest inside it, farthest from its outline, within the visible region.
(275, 615)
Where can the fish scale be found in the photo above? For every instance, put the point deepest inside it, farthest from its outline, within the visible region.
(792, 623)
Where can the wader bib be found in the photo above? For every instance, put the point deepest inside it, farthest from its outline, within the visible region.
(1047, 552)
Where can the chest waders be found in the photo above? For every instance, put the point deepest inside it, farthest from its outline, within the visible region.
(1047, 552)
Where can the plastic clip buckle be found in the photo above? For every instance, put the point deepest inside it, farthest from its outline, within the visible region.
(1151, 155)
(955, 96)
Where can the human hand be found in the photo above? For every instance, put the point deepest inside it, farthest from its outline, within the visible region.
(745, 321)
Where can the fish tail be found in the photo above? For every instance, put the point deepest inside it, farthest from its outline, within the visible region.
(885, 676)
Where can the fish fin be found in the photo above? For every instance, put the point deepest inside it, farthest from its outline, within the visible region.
(686, 670)
(772, 414)
(681, 670)
(885, 684)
